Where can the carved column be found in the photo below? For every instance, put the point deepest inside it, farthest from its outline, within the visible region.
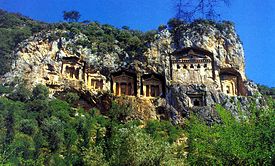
(138, 85)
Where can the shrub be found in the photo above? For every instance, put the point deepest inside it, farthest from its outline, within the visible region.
(21, 93)
(131, 146)
(40, 92)
(71, 98)
(28, 126)
(243, 142)
(118, 112)
(5, 89)
(163, 130)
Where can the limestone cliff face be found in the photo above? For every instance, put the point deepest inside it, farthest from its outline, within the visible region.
(220, 39)
(194, 67)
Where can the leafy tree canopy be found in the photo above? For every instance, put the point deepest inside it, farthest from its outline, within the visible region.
(71, 16)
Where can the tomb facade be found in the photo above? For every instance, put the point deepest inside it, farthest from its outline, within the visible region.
(51, 76)
(94, 80)
(192, 66)
(197, 99)
(231, 82)
(152, 86)
(72, 68)
(124, 83)
(188, 66)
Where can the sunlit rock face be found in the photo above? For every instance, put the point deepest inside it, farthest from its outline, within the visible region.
(193, 69)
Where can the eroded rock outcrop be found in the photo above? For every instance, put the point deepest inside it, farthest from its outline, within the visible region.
(191, 68)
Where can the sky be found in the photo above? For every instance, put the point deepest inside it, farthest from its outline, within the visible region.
(254, 21)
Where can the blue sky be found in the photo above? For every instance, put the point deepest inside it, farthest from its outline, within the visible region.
(254, 21)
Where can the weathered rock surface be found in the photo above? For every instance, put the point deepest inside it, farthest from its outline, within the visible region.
(39, 60)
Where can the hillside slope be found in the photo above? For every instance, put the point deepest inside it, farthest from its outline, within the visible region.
(14, 28)
(70, 55)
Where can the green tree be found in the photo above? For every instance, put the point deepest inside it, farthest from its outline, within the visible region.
(94, 156)
(21, 93)
(131, 146)
(71, 16)
(24, 146)
(72, 98)
(28, 126)
(54, 131)
(119, 112)
(40, 92)
(247, 141)
(163, 130)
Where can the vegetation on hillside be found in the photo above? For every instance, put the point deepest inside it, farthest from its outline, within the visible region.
(265, 90)
(37, 130)
(14, 28)
(71, 16)
(101, 39)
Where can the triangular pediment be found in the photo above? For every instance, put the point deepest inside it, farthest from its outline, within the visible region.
(152, 79)
(192, 52)
(191, 55)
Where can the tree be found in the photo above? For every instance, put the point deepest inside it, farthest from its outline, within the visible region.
(71, 16)
(191, 9)
(246, 141)
(21, 93)
(40, 92)
(132, 146)
(72, 98)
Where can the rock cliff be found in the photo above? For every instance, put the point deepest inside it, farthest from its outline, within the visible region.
(188, 67)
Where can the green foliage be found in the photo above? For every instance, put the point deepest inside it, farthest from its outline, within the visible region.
(34, 131)
(119, 112)
(45, 131)
(131, 146)
(14, 28)
(5, 89)
(162, 27)
(94, 156)
(235, 142)
(28, 126)
(163, 130)
(40, 92)
(24, 147)
(174, 23)
(53, 130)
(266, 90)
(71, 16)
(21, 93)
(71, 98)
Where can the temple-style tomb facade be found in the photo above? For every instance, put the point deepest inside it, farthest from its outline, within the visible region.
(192, 66)
(72, 68)
(231, 82)
(94, 80)
(188, 66)
(152, 85)
(124, 83)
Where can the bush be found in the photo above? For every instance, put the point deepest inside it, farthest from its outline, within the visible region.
(243, 142)
(40, 92)
(71, 98)
(131, 146)
(5, 90)
(163, 130)
(119, 113)
(28, 126)
(21, 93)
